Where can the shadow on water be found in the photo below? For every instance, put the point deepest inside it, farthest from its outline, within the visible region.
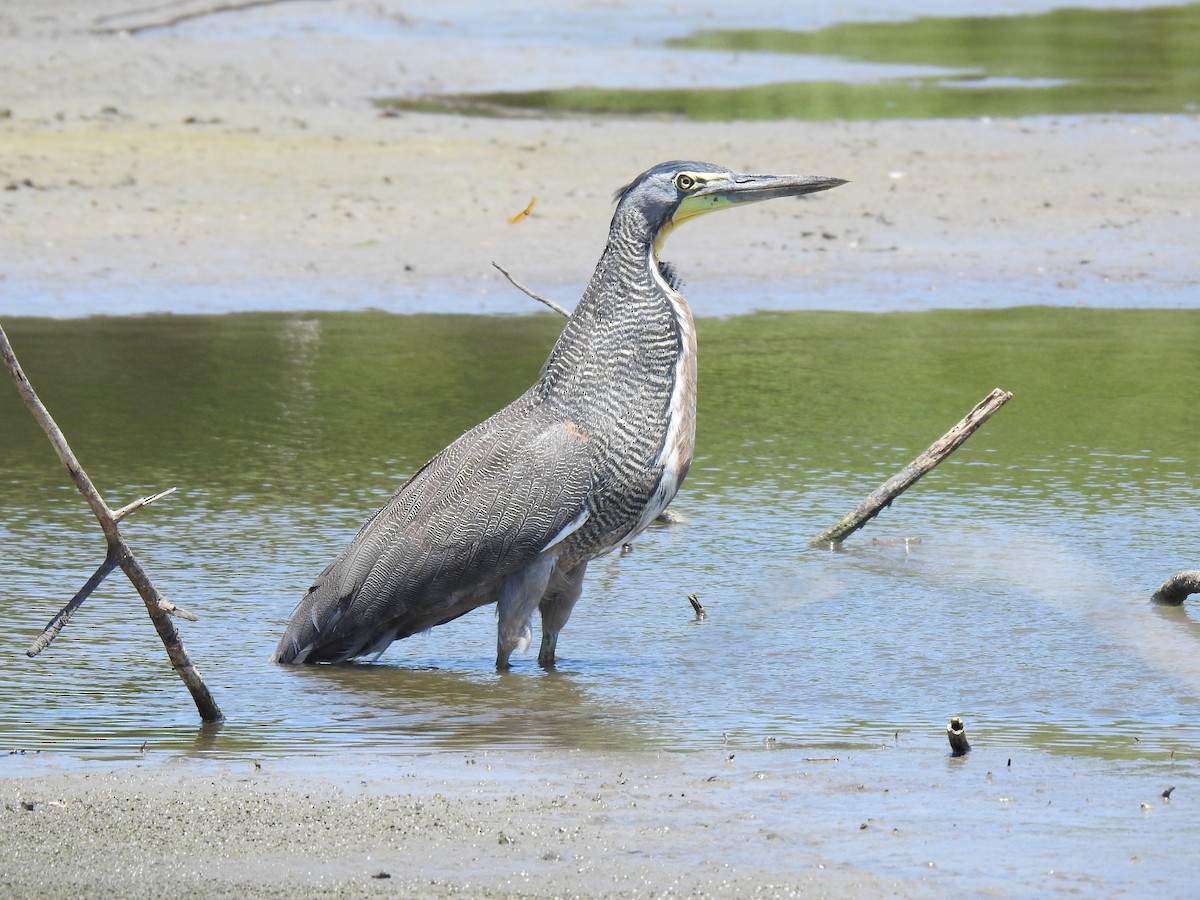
(1065, 61)
(1010, 586)
(431, 708)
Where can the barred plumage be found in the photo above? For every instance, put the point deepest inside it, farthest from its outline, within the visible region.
(512, 511)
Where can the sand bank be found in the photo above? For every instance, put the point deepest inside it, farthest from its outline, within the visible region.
(193, 163)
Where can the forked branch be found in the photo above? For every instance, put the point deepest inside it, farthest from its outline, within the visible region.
(119, 553)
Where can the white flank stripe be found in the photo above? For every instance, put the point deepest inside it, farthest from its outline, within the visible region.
(669, 455)
(573, 526)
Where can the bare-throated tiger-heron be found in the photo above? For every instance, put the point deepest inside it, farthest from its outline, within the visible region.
(512, 511)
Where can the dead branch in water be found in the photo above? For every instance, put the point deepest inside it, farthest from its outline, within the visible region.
(1177, 588)
(119, 553)
(908, 476)
(956, 732)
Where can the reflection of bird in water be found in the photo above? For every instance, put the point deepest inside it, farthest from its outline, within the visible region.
(441, 708)
(512, 511)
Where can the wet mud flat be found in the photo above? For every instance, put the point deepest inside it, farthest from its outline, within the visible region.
(902, 819)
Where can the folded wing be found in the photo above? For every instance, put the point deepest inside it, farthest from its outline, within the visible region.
(485, 507)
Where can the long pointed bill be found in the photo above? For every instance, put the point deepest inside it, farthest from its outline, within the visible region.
(717, 191)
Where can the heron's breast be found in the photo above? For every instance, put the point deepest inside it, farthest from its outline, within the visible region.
(679, 442)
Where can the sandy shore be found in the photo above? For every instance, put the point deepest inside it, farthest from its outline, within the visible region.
(195, 162)
(185, 163)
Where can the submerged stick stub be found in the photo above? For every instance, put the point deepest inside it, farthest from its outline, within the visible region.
(956, 732)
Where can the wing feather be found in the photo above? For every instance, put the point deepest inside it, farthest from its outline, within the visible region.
(484, 507)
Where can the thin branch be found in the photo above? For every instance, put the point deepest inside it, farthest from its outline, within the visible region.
(180, 18)
(538, 297)
(1177, 588)
(64, 615)
(908, 476)
(119, 552)
(42, 415)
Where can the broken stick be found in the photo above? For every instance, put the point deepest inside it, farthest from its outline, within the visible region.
(908, 476)
(956, 732)
(119, 552)
(1177, 588)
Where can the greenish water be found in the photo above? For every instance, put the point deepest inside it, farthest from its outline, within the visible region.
(1065, 61)
(1018, 600)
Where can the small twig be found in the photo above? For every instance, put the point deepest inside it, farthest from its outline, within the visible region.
(119, 552)
(908, 476)
(64, 615)
(133, 507)
(1177, 588)
(696, 607)
(178, 611)
(524, 290)
(956, 732)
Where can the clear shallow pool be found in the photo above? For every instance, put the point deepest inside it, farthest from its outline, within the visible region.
(1009, 586)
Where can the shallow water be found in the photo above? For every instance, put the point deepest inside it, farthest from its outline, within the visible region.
(1009, 586)
(861, 64)
(858, 291)
(859, 60)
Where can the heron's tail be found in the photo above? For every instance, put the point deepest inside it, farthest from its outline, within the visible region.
(342, 617)
(321, 630)
(303, 640)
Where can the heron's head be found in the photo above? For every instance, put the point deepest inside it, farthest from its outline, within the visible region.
(673, 192)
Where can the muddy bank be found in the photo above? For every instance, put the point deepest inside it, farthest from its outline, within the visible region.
(902, 819)
(474, 825)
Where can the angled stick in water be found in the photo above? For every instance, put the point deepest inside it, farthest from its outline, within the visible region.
(908, 476)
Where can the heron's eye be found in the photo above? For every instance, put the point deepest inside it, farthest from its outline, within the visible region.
(684, 181)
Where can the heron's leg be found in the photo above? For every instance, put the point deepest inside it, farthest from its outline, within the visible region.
(519, 597)
(556, 607)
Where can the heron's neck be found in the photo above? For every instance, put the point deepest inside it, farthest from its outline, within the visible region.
(631, 326)
(628, 280)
